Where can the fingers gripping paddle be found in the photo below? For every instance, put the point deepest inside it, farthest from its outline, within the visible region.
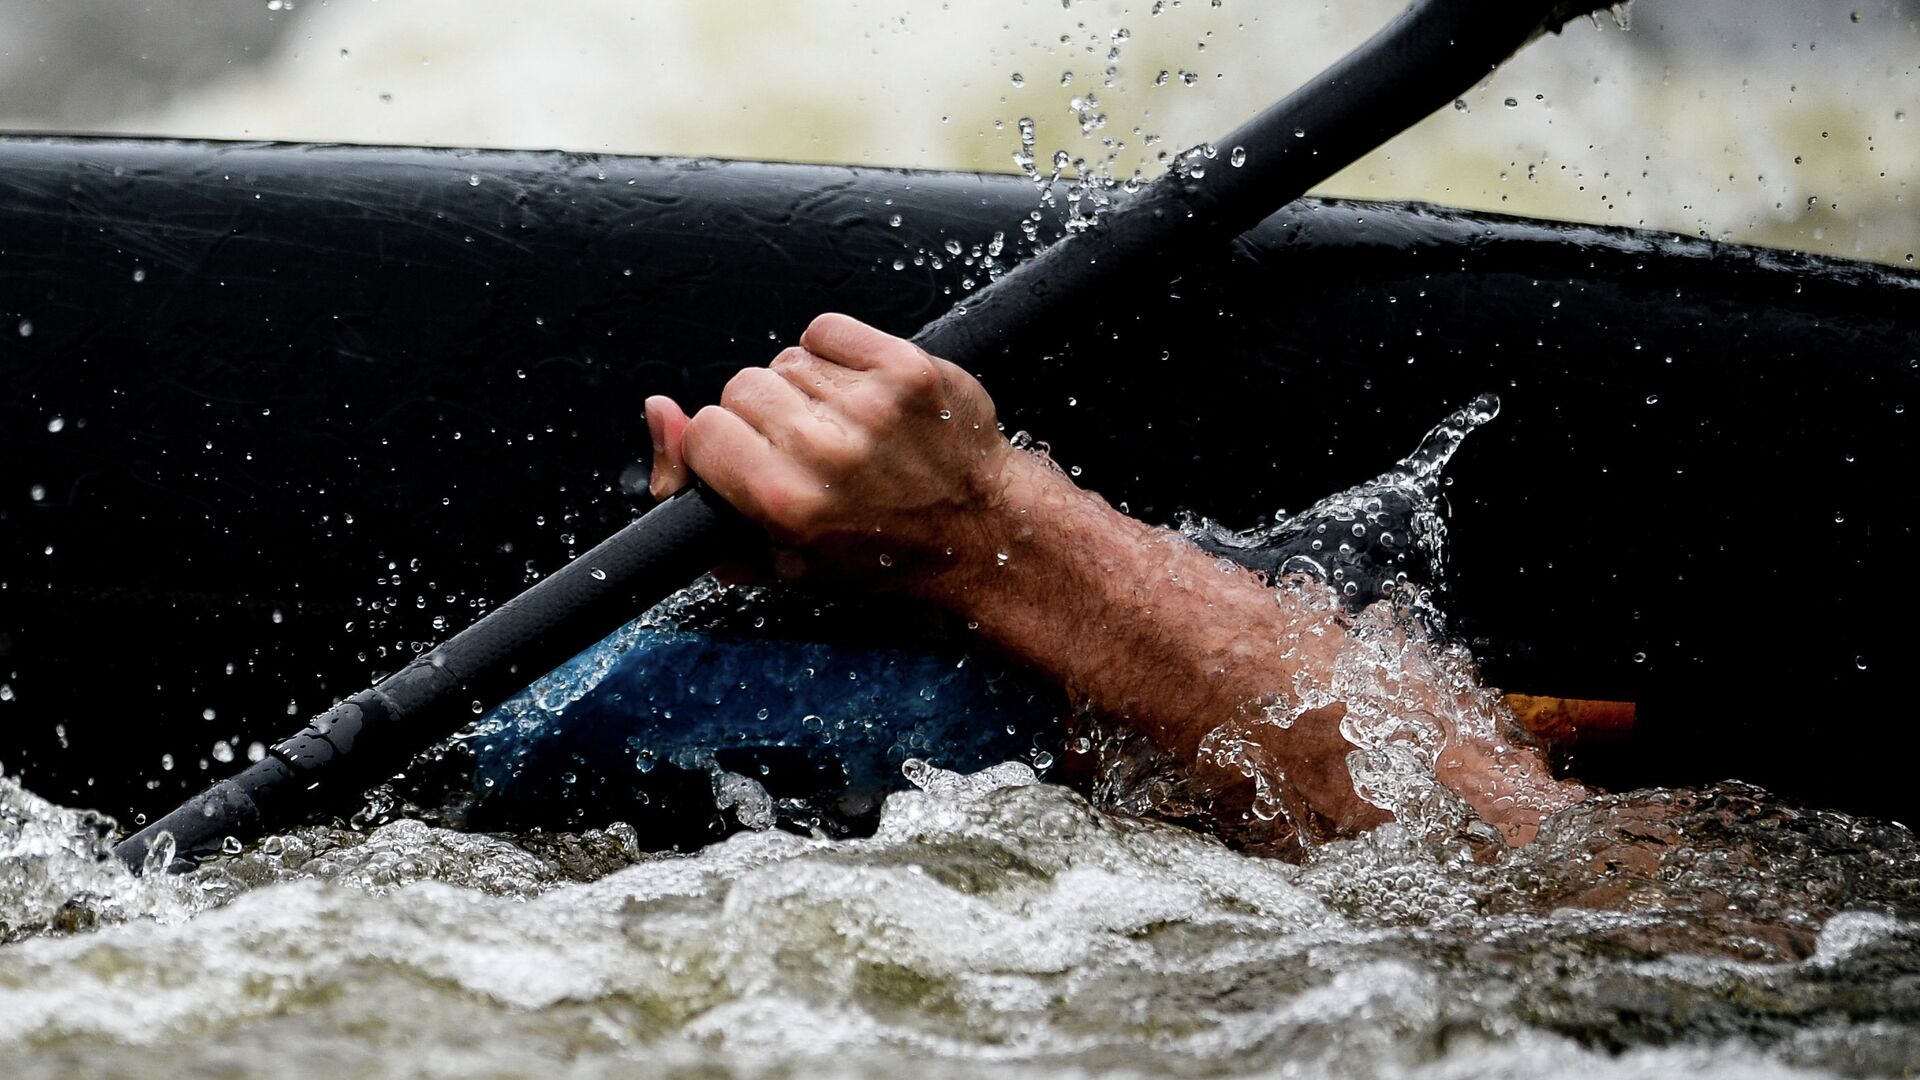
(1432, 53)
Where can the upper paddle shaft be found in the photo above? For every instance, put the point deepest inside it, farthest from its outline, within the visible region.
(1429, 55)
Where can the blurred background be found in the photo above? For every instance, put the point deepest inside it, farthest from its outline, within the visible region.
(1778, 122)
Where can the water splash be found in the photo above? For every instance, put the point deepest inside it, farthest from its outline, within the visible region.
(1011, 927)
(1385, 539)
(1359, 573)
(58, 873)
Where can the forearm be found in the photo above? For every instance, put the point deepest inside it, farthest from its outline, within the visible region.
(1144, 629)
(1218, 669)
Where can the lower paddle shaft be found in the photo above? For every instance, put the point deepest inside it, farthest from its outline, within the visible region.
(373, 734)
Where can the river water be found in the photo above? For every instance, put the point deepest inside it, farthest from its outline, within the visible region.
(990, 922)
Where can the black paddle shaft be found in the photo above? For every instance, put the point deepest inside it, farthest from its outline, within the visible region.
(1433, 52)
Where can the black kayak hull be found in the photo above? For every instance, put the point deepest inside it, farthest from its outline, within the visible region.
(270, 391)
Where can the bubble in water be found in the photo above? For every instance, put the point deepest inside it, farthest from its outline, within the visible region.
(139, 275)
(37, 493)
(56, 425)
(597, 574)
(1019, 79)
(1237, 156)
(1860, 662)
(26, 328)
(1511, 103)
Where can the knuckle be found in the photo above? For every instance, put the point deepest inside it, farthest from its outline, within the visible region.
(790, 357)
(903, 356)
(743, 387)
(700, 428)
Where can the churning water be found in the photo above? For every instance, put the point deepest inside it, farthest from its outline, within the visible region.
(990, 922)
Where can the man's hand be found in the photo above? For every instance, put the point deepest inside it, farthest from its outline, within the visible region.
(862, 456)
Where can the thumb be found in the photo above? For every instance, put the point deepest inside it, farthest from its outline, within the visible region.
(667, 424)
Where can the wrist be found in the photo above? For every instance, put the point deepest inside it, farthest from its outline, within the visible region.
(1024, 546)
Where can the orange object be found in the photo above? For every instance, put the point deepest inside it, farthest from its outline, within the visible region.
(1563, 723)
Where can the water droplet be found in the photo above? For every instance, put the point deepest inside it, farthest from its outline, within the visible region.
(1511, 103)
(231, 846)
(1001, 557)
(885, 559)
(1639, 658)
(946, 414)
(477, 708)
(894, 221)
(1043, 760)
(1653, 399)
(1019, 79)
(1237, 156)
(1299, 133)
(597, 574)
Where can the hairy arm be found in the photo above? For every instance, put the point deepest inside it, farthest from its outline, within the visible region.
(873, 465)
